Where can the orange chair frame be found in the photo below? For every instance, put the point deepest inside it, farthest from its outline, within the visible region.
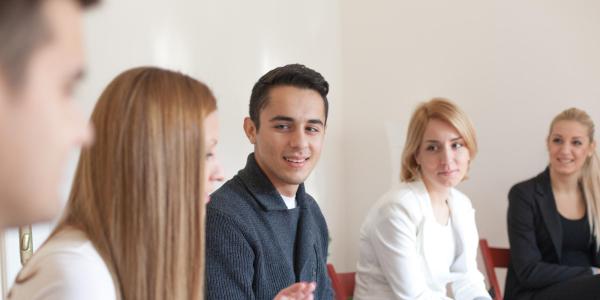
(342, 283)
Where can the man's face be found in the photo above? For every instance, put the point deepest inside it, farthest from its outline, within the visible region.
(288, 144)
(39, 122)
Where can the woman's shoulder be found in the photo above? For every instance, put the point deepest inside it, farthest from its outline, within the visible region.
(397, 205)
(68, 266)
(524, 189)
(404, 197)
(72, 244)
(460, 199)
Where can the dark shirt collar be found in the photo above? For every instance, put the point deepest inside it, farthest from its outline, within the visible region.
(263, 190)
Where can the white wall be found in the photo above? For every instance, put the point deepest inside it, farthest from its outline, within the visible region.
(511, 65)
(228, 45)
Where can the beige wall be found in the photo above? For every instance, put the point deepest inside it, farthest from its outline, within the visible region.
(227, 44)
(512, 65)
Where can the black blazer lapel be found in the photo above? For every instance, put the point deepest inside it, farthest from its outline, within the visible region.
(545, 200)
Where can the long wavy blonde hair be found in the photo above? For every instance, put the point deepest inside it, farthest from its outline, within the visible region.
(589, 179)
(138, 193)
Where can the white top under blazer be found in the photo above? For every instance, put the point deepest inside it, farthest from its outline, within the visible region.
(400, 255)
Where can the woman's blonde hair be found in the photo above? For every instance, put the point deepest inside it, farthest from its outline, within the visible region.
(138, 193)
(440, 109)
(589, 180)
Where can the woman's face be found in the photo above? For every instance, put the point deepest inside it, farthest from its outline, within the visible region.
(214, 170)
(442, 157)
(569, 146)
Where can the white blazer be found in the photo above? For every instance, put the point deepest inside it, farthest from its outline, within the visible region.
(396, 251)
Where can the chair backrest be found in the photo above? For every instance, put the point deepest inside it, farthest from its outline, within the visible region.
(342, 283)
(494, 258)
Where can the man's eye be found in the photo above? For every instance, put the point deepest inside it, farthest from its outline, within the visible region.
(282, 126)
(312, 129)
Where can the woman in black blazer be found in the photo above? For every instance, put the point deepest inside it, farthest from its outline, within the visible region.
(553, 218)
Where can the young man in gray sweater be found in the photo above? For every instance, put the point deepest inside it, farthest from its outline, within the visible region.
(263, 231)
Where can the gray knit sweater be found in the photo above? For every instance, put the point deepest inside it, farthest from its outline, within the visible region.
(245, 256)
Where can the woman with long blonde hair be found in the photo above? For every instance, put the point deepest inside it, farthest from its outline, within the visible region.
(134, 223)
(554, 218)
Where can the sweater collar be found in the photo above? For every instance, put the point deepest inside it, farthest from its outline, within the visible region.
(263, 190)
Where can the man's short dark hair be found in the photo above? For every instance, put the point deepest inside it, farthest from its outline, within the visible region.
(22, 30)
(295, 75)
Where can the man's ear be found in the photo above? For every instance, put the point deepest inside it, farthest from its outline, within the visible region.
(250, 130)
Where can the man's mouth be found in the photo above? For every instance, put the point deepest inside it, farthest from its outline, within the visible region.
(296, 161)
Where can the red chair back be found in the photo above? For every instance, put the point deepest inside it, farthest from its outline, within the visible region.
(342, 283)
(494, 258)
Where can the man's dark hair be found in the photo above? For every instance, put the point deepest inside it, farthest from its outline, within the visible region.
(22, 30)
(295, 75)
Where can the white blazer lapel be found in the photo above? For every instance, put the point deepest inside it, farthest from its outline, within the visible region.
(424, 233)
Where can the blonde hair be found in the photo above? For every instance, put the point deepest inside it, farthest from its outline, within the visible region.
(440, 109)
(589, 180)
(138, 193)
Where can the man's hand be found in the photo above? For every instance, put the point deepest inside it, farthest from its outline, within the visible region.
(297, 291)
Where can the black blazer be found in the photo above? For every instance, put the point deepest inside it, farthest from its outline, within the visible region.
(535, 235)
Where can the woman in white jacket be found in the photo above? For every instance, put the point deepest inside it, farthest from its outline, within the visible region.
(419, 241)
